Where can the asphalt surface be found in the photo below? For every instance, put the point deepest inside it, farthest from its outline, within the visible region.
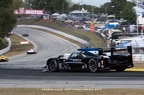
(47, 46)
(32, 78)
(26, 70)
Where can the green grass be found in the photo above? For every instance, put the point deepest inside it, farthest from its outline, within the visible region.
(16, 47)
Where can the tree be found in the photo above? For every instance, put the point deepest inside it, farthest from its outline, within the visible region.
(75, 7)
(70, 3)
(127, 13)
(51, 5)
(7, 17)
(17, 4)
(116, 6)
(105, 7)
(134, 1)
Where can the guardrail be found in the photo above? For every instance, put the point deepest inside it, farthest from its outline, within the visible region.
(138, 57)
(7, 48)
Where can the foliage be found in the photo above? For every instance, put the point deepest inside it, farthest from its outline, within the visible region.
(127, 13)
(75, 7)
(7, 17)
(53, 6)
(120, 8)
(117, 6)
(17, 3)
(2, 44)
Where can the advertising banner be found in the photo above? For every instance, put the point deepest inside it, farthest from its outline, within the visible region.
(29, 11)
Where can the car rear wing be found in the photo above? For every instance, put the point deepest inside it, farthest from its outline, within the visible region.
(89, 49)
(112, 52)
(100, 51)
(128, 50)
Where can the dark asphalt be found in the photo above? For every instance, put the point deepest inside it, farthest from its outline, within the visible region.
(33, 74)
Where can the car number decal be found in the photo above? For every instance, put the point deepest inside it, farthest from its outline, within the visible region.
(76, 60)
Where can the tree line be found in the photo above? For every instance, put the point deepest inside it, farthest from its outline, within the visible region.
(120, 8)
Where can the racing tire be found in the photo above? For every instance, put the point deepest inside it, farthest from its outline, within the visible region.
(53, 65)
(93, 65)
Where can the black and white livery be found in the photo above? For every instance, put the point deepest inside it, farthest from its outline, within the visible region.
(92, 59)
(31, 51)
(25, 35)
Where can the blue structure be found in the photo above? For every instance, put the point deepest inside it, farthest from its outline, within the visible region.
(111, 25)
(89, 49)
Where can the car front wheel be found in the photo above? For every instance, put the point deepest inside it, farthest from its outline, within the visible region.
(53, 65)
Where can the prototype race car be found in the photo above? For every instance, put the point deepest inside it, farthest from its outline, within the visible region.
(92, 59)
(31, 51)
(3, 58)
(25, 35)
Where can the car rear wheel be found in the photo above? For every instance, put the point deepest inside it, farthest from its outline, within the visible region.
(92, 64)
(53, 65)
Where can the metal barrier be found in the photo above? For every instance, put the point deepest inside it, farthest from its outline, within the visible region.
(138, 57)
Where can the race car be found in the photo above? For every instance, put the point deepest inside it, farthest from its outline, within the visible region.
(25, 34)
(3, 58)
(92, 59)
(31, 51)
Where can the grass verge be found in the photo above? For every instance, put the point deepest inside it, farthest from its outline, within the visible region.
(16, 47)
(32, 91)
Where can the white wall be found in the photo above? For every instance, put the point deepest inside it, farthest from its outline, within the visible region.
(140, 20)
(7, 48)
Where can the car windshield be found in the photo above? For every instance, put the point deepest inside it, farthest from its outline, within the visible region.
(88, 53)
(75, 54)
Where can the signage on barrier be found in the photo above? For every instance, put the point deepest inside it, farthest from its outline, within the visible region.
(29, 11)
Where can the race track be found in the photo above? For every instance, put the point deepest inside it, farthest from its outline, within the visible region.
(26, 70)
(34, 78)
(47, 46)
